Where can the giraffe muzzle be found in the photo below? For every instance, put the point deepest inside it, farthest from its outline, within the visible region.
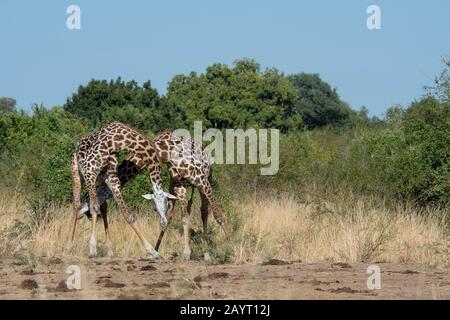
(163, 222)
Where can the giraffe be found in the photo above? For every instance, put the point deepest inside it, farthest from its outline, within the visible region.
(96, 155)
(188, 165)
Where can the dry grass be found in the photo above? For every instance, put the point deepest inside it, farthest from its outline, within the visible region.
(275, 227)
(351, 232)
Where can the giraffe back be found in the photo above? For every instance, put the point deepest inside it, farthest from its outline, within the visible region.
(186, 158)
(94, 151)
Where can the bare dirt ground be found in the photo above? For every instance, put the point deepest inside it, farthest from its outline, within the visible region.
(142, 279)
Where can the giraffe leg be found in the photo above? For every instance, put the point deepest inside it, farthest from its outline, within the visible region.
(127, 170)
(94, 208)
(113, 183)
(190, 201)
(206, 190)
(180, 192)
(170, 216)
(76, 203)
(104, 212)
(204, 211)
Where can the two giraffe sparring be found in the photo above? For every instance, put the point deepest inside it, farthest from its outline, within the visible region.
(96, 159)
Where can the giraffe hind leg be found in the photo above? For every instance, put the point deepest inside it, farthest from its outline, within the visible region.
(85, 211)
(217, 210)
(94, 208)
(190, 201)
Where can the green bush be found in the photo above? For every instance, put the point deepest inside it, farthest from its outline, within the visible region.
(36, 152)
(427, 129)
(406, 159)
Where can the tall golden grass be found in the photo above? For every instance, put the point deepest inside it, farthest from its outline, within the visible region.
(346, 230)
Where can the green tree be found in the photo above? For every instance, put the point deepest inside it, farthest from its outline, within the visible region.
(441, 86)
(317, 102)
(241, 96)
(100, 102)
(7, 105)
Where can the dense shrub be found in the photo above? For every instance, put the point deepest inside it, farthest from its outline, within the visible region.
(35, 153)
(405, 158)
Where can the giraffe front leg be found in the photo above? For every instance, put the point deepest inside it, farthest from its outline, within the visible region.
(113, 183)
(180, 192)
(187, 250)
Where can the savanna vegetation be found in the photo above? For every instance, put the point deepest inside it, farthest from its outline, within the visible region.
(349, 187)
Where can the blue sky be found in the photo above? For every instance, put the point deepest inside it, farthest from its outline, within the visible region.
(42, 61)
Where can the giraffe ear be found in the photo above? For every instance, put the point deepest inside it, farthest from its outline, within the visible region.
(148, 196)
(170, 196)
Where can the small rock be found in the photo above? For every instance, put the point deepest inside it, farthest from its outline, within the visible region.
(29, 284)
(217, 275)
(342, 265)
(158, 285)
(148, 268)
(27, 272)
(55, 261)
(276, 262)
(108, 283)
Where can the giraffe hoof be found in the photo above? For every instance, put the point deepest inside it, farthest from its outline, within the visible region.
(207, 257)
(186, 255)
(110, 254)
(92, 252)
(155, 256)
(158, 257)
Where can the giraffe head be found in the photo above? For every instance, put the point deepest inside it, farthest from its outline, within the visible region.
(161, 202)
